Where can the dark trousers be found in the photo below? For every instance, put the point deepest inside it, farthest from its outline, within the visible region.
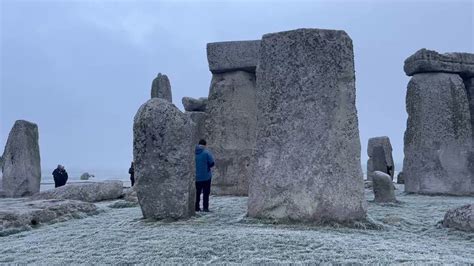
(205, 187)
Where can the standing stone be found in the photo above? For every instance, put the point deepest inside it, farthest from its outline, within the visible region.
(21, 161)
(164, 161)
(308, 146)
(161, 88)
(379, 150)
(199, 119)
(469, 84)
(401, 178)
(384, 191)
(438, 149)
(231, 129)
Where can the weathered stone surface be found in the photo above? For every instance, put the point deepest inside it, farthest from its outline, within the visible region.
(129, 200)
(86, 176)
(161, 88)
(461, 218)
(88, 192)
(400, 178)
(379, 150)
(424, 61)
(130, 194)
(231, 131)
(233, 56)
(384, 191)
(469, 84)
(194, 105)
(18, 215)
(308, 146)
(199, 119)
(438, 149)
(21, 161)
(163, 152)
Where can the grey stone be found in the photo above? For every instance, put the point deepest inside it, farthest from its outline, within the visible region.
(461, 218)
(400, 178)
(438, 149)
(233, 56)
(469, 84)
(18, 215)
(231, 131)
(199, 119)
(21, 161)
(308, 146)
(379, 150)
(431, 61)
(368, 184)
(161, 88)
(163, 154)
(88, 192)
(194, 105)
(86, 176)
(384, 190)
(130, 195)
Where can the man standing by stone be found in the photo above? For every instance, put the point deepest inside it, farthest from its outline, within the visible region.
(131, 171)
(204, 163)
(60, 176)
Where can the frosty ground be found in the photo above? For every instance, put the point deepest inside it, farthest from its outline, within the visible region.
(410, 233)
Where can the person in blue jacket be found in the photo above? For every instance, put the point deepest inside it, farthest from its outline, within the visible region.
(204, 163)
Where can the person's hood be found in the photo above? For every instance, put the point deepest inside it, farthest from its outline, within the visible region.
(199, 149)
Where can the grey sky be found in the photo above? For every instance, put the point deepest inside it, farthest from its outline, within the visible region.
(81, 69)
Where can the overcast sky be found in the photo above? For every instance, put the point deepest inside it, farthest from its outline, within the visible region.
(81, 69)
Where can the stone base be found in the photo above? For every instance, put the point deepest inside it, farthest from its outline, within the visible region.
(18, 215)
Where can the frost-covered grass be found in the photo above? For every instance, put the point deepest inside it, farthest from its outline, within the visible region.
(410, 234)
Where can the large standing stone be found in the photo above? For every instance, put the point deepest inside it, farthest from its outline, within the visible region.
(21, 161)
(401, 178)
(231, 129)
(308, 146)
(379, 150)
(164, 160)
(161, 87)
(438, 150)
(424, 61)
(232, 56)
(384, 191)
(199, 119)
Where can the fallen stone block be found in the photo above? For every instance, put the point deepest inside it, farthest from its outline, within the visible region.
(88, 192)
(18, 215)
(461, 218)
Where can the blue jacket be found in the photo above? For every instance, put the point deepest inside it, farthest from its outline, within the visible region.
(204, 163)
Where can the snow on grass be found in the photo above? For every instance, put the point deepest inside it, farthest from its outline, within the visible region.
(410, 234)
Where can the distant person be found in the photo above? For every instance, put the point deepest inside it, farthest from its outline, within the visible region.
(60, 176)
(204, 163)
(389, 170)
(131, 171)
